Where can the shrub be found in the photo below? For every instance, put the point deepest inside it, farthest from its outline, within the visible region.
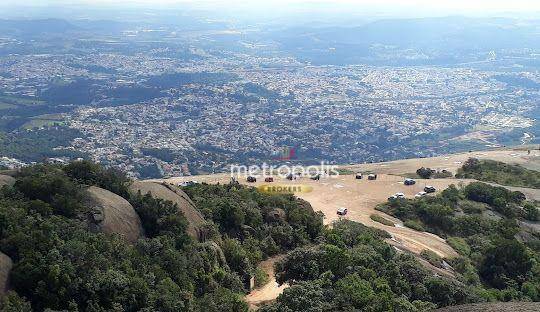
(459, 245)
(261, 277)
(424, 173)
(431, 257)
(415, 225)
(381, 220)
(531, 212)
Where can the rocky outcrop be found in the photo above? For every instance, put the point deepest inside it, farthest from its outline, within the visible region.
(113, 214)
(5, 268)
(276, 215)
(6, 180)
(180, 198)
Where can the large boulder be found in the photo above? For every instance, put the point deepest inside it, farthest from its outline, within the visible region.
(113, 214)
(5, 268)
(174, 194)
(6, 180)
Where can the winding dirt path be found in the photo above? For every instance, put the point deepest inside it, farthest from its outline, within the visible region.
(271, 290)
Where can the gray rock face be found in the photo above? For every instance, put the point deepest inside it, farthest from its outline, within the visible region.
(6, 180)
(174, 194)
(5, 268)
(113, 214)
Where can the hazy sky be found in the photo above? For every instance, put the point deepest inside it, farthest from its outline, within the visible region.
(260, 9)
(454, 5)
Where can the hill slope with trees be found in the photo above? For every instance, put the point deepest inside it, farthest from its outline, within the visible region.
(59, 263)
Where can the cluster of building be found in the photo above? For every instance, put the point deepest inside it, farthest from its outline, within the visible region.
(342, 114)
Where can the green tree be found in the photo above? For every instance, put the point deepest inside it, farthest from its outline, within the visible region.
(507, 261)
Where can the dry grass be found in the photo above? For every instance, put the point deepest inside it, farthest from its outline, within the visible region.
(118, 216)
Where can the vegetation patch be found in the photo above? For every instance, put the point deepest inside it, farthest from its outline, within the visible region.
(382, 220)
(460, 245)
(432, 258)
(499, 172)
(415, 225)
(261, 277)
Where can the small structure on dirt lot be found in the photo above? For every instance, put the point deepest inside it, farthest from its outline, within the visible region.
(359, 176)
(372, 177)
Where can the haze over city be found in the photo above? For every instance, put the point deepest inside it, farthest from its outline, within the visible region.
(296, 156)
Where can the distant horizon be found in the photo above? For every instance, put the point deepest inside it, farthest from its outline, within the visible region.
(284, 8)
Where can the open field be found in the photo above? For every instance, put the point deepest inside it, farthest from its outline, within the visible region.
(43, 121)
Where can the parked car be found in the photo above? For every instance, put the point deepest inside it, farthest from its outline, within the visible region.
(290, 176)
(372, 177)
(342, 211)
(409, 182)
(251, 179)
(269, 179)
(420, 194)
(430, 189)
(359, 176)
(188, 183)
(397, 196)
(316, 177)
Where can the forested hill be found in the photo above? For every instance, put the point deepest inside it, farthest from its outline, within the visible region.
(84, 238)
(71, 246)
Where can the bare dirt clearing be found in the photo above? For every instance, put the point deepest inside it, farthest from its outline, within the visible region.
(360, 197)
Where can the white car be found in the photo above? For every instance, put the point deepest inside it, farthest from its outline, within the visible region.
(397, 196)
(420, 194)
(342, 211)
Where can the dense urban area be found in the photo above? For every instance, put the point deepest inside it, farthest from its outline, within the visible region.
(159, 103)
